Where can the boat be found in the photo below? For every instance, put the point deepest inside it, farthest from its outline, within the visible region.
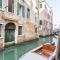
(46, 51)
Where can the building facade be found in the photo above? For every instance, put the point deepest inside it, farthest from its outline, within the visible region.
(18, 21)
(45, 18)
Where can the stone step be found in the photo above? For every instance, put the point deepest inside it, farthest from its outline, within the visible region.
(9, 43)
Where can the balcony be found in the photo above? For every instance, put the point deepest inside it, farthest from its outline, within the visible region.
(9, 16)
(12, 17)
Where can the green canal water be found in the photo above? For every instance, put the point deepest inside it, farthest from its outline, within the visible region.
(15, 52)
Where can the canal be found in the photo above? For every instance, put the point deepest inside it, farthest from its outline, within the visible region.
(14, 52)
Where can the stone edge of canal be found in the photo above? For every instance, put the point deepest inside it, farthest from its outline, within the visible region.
(14, 44)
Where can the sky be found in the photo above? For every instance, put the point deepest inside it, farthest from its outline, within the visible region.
(56, 11)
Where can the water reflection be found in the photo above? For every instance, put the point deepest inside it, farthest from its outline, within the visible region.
(13, 53)
(8, 55)
(55, 40)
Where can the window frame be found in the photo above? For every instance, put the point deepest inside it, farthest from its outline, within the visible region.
(0, 30)
(40, 22)
(19, 30)
(23, 11)
(11, 6)
(19, 7)
(45, 6)
(1, 3)
(28, 13)
(40, 5)
(36, 30)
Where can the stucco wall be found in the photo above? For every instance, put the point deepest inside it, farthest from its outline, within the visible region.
(2, 43)
(29, 25)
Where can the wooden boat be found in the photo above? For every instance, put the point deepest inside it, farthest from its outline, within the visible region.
(44, 52)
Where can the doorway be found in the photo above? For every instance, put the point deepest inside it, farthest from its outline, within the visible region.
(9, 32)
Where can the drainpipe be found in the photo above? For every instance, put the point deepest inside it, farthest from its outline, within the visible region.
(38, 16)
(38, 8)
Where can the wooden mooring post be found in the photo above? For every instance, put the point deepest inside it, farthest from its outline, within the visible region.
(58, 48)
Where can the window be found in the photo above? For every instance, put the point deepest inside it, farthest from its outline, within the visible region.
(0, 30)
(45, 6)
(36, 30)
(19, 30)
(23, 0)
(35, 17)
(0, 3)
(48, 16)
(40, 22)
(20, 10)
(11, 5)
(40, 5)
(23, 11)
(28, 13)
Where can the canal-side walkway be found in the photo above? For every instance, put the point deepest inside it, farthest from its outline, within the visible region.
(14, 52)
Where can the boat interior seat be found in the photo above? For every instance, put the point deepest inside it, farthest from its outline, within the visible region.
(49, 48)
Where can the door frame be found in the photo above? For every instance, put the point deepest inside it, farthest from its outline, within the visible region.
(10, 26)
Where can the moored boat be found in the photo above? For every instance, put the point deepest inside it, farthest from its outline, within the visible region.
(44, 52)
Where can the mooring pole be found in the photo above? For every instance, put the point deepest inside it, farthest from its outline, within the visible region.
(58, 48)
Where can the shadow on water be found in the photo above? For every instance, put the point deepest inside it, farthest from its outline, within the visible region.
(14, 52)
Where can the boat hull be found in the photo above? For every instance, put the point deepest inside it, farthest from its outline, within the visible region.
(34, 54)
